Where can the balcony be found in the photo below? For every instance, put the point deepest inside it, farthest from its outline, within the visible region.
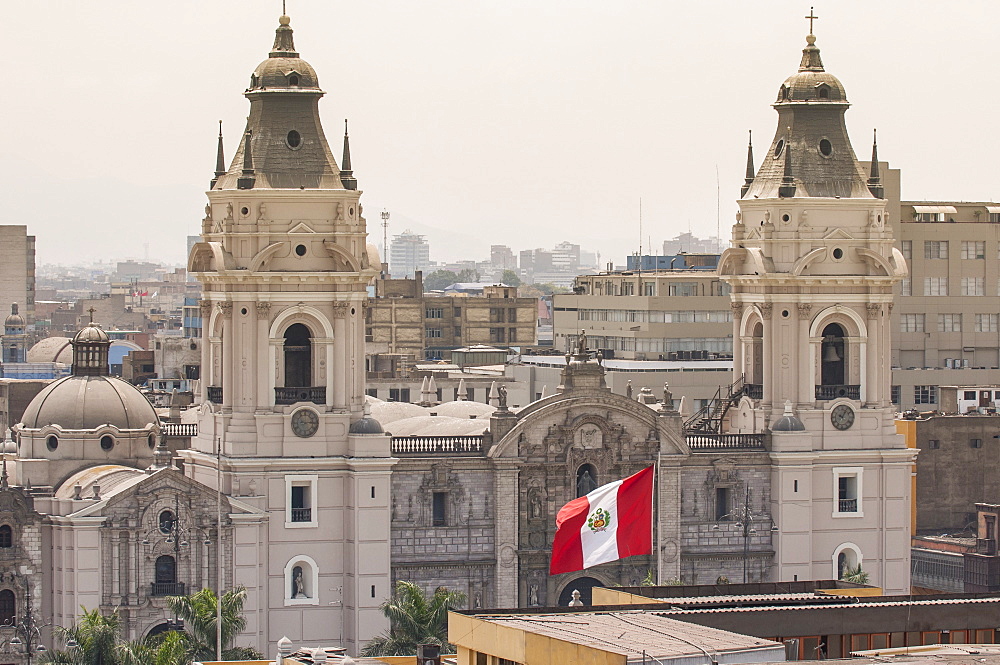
(847, 506)
(159, 589)
(302, 514)
(711, 441)
(986, 546)
(437, 445)
(291, 395)
(753, 390)
(838, 391)
(215, 394)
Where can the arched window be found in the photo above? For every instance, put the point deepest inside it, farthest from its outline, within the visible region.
(757, 355)
(6, 537)
(298, 357)
(166, 522)
(8, 607)
(824, 92)
(293, 79)
(165, 577)
(846, 558)
(834, 358)
(586, 480)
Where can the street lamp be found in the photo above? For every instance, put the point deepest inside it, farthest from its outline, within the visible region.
(744, 522)
(27, 636)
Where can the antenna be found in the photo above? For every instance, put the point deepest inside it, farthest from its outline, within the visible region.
(718, 210)
(638, 259)
(385, 236)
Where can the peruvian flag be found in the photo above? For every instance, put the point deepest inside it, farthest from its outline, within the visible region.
(612, 522)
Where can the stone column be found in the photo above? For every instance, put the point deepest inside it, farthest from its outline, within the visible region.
(738, 341)
(806, 393)
(505, 512)
(769, 351)
(226, 312)
(263, 401)
(339, 370)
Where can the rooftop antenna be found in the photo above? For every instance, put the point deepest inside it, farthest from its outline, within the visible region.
(638, 265)
(385, 236)
(718, 212)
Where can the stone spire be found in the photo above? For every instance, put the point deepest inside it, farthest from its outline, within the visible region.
(787, 189)
(346, 173)
(750, 170)
(220, 160)
(284, 46)
(875, 180)
(248, 179)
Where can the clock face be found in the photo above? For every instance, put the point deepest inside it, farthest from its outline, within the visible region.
(305, 422)
(842, 417)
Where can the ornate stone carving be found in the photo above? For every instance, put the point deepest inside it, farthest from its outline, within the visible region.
(805, 309)
(765, 309)
(340, 310)
(226, 308)
(261, 210)
(206, 308)
(263, 309)
(874, 309)
(737, 308)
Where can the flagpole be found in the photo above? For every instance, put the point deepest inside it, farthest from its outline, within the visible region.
(656, 525)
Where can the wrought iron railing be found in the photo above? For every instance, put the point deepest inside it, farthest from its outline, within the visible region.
(847, 506)
(838, 391)
(710, 441)
(302, 514)
(215, 394)
(429, 445)
(753, 390)
(166, 589)
(292, 394)
(180, 429)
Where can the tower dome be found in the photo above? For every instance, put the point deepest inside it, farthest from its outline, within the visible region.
(13, 320)
(811, 154)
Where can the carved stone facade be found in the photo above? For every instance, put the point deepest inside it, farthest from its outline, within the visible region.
(489, 530)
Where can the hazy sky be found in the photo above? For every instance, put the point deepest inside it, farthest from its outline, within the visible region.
(514, 122)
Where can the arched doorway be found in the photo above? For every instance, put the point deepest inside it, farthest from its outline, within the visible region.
(757, 355)
(834, 356)
(298, 356)
(584, 585)
(586, 480)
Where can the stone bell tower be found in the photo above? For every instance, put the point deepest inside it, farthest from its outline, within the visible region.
(812, 268)
(284, 264)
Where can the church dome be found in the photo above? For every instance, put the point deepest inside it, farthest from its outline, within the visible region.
(366, 424)
(284, 68)
(88, 402)
(812, 83)
(13, 320)
(91, 334)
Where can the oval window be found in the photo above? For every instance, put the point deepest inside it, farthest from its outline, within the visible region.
(244, 211)
(300, 250)
(151, 441)
(294, 139)
(825, 147)
(52, 442)
(838, 253)
(779, 147)
(107, 442)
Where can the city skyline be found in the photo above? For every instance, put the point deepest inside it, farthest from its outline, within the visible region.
(514, 118)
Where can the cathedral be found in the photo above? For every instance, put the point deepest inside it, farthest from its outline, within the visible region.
(291, 487)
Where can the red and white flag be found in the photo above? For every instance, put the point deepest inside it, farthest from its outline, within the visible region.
(612, 522)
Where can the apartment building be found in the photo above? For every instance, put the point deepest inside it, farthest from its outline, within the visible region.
(17, 271)
(667, 315)
(402, 320)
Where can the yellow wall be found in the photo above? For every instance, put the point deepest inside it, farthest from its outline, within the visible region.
(908, 428)
(472, 635)
(858, 593)
(604, 596)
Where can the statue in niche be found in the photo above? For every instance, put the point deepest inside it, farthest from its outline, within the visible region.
(533, 595)
(229, 211)
(298, 586)
(576, 602)
(586, 484)
(478, 602)
(535, 506)
(502, 396)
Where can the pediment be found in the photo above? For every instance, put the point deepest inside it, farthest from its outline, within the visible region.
(838, 234)
(301, 227)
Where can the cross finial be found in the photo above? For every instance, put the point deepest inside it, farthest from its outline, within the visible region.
(284, 13)
(91, 311)
(812, 17)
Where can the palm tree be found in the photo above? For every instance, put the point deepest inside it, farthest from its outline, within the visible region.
(198, 612)
(97, 638)
(415, 619)
(855, 575)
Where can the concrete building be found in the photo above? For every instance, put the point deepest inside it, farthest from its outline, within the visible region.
(284, 265)
(665, 315)
(408, 253)
(402, 320)
(813, 267)
(17, 270)
(502, 258)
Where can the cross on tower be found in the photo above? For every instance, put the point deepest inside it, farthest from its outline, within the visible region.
(283, 12)
(812, 17)
(91, 310)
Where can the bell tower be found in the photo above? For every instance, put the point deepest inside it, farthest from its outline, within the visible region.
(284, 264)
(812, 268)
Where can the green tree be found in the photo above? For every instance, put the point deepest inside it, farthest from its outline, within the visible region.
(466, 275)
(98, 640)
(855, 575)
(439, 279)
(510, 278)
(415, 618)
(198, 612)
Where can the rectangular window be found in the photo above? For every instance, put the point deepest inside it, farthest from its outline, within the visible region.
(906, 287)
(440, 503)
(911, 323)
(895, 394)
(973, 249)
(458, 311)
(986, 322)
(935, 249)
(511, 335)
(433, 313)
(933, 444)
(496, 335)
(458, 331)
(929, 216)
(300, 501)
(722, 503)
(649, 288)
(949, 323)
(995, 218)
(935, 286)
(925, 395)
(907, 249)
(628, 288)
(976, 443)
(972, 286)
(847, 489)
(433, 332)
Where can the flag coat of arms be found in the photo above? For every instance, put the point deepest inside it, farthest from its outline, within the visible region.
(612, 522)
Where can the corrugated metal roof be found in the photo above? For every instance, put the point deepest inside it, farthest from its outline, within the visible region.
(901, 603)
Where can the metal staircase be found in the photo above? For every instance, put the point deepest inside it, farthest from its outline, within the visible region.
(709, 418)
